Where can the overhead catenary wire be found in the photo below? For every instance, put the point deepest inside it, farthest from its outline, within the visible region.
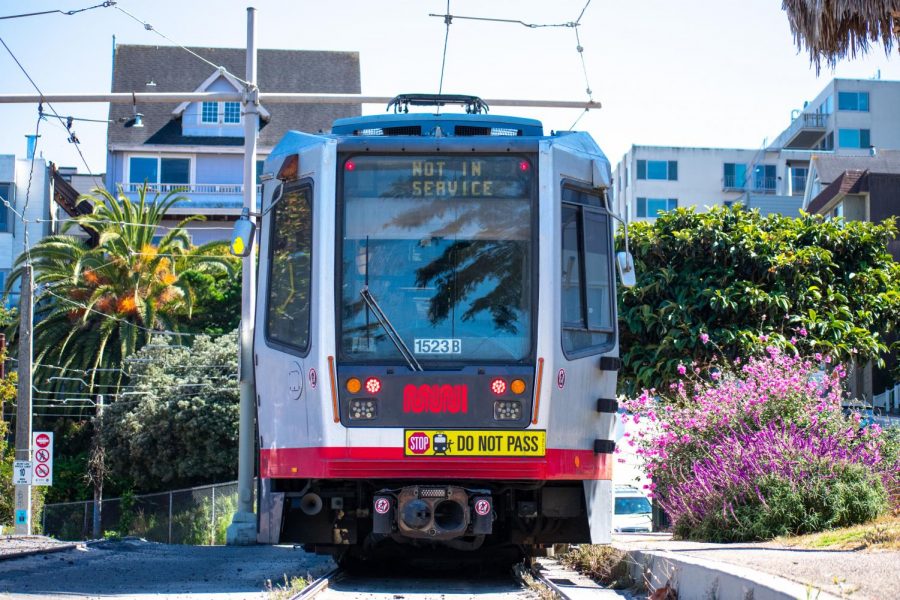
(150, 27)
(67, 13)
(72, 137)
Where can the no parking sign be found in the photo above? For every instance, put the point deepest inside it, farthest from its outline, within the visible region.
(42, 469)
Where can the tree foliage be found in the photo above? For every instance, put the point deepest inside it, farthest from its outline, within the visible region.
(96, 306)
(748, 281)
(178, 426)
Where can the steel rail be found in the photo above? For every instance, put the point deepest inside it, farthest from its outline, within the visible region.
(264, 97)
(318, 586)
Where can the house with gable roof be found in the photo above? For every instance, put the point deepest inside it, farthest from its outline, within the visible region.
(196, 148)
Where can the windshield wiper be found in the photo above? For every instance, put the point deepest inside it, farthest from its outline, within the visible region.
(370, 301)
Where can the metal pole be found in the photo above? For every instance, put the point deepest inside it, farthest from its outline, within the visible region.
(170, 517)
(264, 97)
(242, 530)
(99, 469)
(23, 410)
(212, 541)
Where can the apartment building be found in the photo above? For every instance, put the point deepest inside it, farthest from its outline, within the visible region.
(848, 117)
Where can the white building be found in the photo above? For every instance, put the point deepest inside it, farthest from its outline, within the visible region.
(44, 204)
(848, 117)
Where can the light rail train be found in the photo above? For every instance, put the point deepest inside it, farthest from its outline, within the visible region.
(436, 344)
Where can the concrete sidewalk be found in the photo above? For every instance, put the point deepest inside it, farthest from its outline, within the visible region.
(16, 546)
(769, 571)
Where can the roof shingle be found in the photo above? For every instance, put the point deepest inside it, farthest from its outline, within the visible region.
(174, 70)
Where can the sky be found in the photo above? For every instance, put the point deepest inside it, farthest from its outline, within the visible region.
(686, 73)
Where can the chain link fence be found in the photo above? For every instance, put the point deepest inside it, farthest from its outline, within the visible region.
(197, 516)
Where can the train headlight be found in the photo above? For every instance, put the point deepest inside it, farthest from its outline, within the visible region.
(507, 410)
(354, 385)
(362, 409)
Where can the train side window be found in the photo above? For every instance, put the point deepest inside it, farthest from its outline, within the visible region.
(587, 292)
(290, 269)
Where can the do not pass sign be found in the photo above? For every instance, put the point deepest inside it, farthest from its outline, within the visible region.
(42, 473)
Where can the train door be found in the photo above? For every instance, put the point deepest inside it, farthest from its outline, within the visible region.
(293, 302)
(580, 333)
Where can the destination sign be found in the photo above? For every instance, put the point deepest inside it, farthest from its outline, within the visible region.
(439, 176)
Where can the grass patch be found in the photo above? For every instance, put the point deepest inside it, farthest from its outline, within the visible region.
(603, 564)
(881, 534)
(291, 587)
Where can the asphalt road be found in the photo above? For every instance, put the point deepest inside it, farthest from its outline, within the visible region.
(137, 569)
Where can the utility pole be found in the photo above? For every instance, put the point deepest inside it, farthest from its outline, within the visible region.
(23, 410)
(98, 470)
(242, 530)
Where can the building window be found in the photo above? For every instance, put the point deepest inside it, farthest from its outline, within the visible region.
(735, 176)
(146, 169)
(588, 302)
(652, 207)
(764, 178)
(658, 169)
(854, 138)
(798, 180)
(858, 101)
(6, 193)
(290, 269)
(827, 106)
(232, 112)
(209, 112)
(827, 142)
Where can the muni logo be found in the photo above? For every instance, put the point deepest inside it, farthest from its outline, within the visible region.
(436, 398)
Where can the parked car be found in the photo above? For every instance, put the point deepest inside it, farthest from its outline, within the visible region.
(632, 511)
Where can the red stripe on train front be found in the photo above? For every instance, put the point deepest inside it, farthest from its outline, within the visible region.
(390, 463)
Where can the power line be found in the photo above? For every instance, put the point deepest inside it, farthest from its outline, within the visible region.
(150, 27)
(67, 13)
(72, 137)
(447, 20)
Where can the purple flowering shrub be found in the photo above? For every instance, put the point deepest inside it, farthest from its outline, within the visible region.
(761, 449)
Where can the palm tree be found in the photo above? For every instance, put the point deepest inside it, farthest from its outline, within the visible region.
(94, 307)
(835, 29)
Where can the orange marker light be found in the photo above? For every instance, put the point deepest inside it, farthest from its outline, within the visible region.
(517, 386)
(354, 385)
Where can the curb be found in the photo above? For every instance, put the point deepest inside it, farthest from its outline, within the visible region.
(699, 578)
(51, 550)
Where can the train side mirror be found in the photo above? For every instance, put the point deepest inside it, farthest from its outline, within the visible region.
(242, 235)
(627, 274)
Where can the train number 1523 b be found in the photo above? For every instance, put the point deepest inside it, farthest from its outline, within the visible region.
(437, 346)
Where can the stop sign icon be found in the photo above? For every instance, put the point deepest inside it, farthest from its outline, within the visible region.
(419, 443)
(42, 440)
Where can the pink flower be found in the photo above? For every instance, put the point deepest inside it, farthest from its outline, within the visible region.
(704, 338)
(682, 369)
(764, 338)
(803, 332)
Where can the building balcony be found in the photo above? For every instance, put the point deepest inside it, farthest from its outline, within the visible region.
(798, 184)
(805, 132)
(764, 185)
(732, 183)
(199, 195)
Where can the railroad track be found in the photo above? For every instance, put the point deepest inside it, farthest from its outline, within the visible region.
(522, 583)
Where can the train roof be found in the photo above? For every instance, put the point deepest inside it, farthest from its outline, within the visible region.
(438, 125)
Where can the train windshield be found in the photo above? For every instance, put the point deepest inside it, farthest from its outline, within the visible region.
(443, 246)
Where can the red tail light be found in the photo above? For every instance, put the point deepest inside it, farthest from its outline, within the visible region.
(498, 386)
(373, 385)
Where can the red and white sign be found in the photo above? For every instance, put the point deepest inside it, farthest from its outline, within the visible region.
(419, 443)
(561, 379)
(482, 507)
(43, 458)
(382, 506)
